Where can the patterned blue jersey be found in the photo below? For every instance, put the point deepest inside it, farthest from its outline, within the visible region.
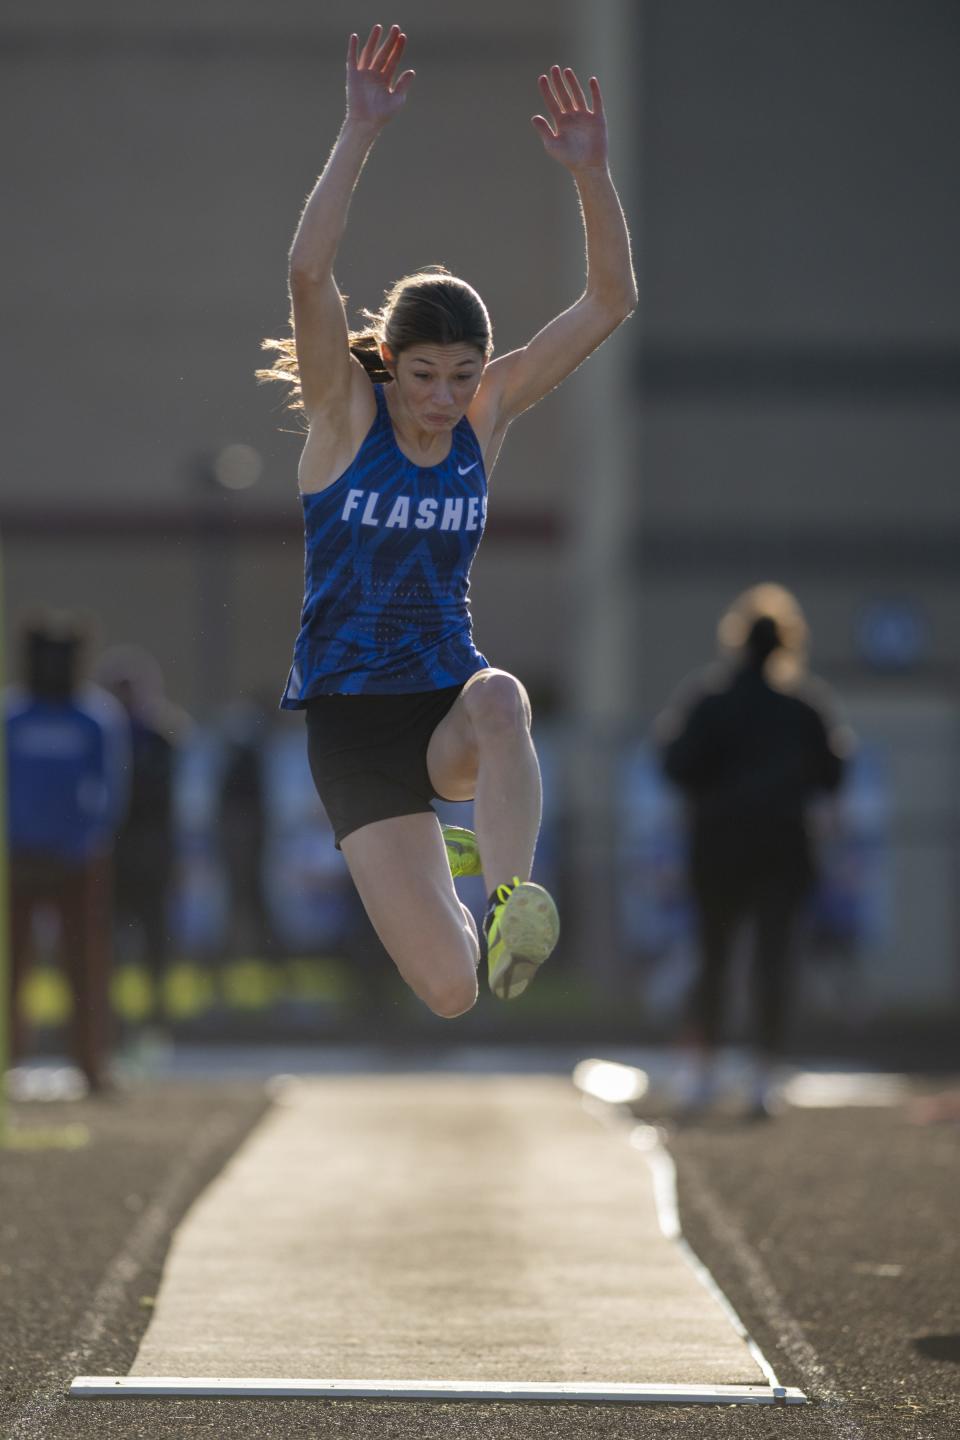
(389, 547)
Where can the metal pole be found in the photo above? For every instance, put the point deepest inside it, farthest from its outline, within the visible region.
(607, 44)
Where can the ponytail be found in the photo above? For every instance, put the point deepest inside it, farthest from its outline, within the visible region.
(285, 368)
(365, 347)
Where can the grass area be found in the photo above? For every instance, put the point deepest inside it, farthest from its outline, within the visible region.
(190, 990)
(250, 986)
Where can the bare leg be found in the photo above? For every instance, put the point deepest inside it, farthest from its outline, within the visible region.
(483, 750)
(400, 869)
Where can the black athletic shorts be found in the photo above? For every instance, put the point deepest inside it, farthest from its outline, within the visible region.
(368, 754)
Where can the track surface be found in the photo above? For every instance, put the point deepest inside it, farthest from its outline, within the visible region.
(833, 1233)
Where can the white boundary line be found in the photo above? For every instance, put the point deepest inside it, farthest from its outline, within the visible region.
(646, 1139)
(765, 1294)
(665, 1196)
(98, 1386)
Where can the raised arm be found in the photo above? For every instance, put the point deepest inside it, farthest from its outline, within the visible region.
(375, 94)
(575, 135)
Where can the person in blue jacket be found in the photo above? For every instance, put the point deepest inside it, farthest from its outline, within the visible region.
(406, 420)
(68, 764)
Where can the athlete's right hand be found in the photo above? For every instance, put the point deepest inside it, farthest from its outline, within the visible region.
(375, 93)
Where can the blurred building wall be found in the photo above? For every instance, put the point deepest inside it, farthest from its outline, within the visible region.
(790, 389)
(163, 154)
(790, 183)
(800, 375)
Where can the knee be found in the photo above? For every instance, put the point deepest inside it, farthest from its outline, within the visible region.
(452, 996)
(497, 706)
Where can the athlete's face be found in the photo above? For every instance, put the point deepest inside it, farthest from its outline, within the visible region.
(437, 382)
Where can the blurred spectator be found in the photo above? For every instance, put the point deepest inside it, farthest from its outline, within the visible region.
(68, 758)
(750, 744)
(243, 825)
(145, 852)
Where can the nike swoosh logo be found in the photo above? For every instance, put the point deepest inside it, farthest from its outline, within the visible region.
(465, 469)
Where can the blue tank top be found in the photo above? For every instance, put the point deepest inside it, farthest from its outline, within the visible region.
(389, 547)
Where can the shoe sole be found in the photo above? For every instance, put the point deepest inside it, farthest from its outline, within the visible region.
(529, 929)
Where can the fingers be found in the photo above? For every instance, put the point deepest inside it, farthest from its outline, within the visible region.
(575, 90)
(550, 100)
(389, 53)
(543, 128)
(564, 94)
(369, 49)
(382, 58)
(401, 86)
(374, 56)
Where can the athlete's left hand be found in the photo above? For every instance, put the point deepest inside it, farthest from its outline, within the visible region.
(577, 138)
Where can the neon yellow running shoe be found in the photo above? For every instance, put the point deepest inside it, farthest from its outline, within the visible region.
(462, 851)
(521, 927)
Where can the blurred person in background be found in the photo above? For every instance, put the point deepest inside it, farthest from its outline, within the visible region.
(406, 420)
(751, 743)
(69, 759)
(145, 855)
(242, 827)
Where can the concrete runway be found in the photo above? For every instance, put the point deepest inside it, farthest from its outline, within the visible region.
(438, 1227)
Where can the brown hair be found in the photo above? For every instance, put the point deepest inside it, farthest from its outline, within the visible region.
(431, 307)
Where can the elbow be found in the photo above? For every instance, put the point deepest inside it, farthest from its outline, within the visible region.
(625, 310)
(627, 300)
(304, 271)
(619, 309)
(617, 303)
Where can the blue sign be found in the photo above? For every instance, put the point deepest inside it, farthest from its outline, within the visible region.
(892, 634)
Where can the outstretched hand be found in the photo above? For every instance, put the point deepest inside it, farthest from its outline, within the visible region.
(375, 93)
(576, 132)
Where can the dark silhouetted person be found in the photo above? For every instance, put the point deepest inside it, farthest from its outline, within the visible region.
(68, 759)
(243, 823)
(144, 866)
(750, 747)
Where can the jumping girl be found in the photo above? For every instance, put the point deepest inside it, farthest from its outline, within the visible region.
(405, 424)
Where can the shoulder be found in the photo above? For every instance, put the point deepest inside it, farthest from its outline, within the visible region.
(703, 688)
(99, 708)
(351, 406)
(173, 724)
(337, 431)
(486, 412)
(815, 697)
(699, 693)
(16, 702)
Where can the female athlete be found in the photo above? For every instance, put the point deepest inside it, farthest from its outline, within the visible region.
(405, 423)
